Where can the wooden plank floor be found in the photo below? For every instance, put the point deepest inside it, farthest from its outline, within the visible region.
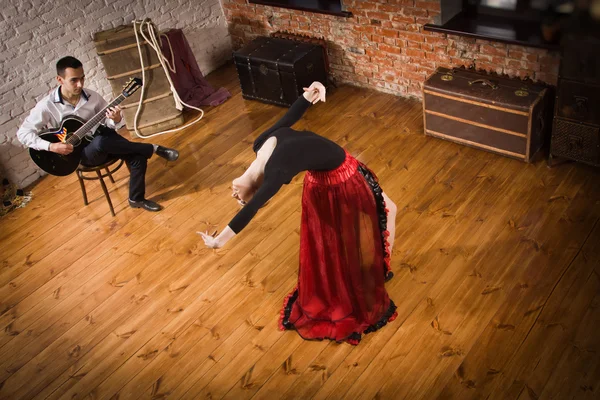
(497, 268)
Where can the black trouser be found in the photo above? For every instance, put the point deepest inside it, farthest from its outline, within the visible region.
(109, 144)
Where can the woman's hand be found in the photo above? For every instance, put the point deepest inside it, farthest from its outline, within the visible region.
(315, 92)
(216, 242)
(210, 240)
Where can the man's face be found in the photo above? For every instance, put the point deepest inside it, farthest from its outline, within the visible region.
(72, 82)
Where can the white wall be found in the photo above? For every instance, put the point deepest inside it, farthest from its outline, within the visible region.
(34, 34)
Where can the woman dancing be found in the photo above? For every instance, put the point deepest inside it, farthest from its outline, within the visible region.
(346, 234)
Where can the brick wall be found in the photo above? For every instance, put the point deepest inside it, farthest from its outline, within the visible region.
(383, 46)
(34, 34)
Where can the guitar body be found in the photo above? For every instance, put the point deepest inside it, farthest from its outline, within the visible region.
(58, 164)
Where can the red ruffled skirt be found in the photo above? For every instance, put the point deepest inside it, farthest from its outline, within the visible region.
(344, 257)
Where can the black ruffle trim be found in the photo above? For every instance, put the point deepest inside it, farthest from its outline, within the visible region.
(383, 320)
(378, 193)
(287, 310)
(355, 337)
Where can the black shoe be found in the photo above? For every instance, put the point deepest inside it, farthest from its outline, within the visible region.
(148, 205)
(167, 154)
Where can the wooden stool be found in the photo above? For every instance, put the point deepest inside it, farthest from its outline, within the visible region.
(81, 169)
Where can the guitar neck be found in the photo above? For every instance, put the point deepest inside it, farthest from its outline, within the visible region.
(87, 127)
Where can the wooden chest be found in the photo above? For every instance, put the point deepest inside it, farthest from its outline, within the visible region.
(275, 70)
(505, 116)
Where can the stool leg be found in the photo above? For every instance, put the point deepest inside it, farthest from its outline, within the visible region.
(112, 210)
(110, 175)
(84, 194)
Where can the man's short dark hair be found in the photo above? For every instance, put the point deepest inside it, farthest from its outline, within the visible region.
(67, 62)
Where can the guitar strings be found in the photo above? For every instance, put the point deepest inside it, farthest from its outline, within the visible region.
(87, 126)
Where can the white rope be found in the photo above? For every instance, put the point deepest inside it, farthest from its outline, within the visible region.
(153, 41)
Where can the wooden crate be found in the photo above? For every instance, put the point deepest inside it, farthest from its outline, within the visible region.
(117, 49)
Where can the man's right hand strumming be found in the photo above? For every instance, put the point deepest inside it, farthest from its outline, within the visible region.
(61, 148)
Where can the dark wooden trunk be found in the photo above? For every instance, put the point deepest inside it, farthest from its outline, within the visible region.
(501, 115)
(275, 70)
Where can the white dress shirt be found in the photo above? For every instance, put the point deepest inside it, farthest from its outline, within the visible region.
(50, 111)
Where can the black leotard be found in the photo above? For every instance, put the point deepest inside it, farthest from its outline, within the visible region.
(296, 151)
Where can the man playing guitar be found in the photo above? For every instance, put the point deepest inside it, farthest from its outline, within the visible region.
(69, 99)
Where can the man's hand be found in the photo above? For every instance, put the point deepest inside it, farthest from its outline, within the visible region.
(114, 113)
(61, 148)
(315, 92)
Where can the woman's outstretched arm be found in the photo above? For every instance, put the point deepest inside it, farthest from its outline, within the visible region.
(312, 95)
(267, 190)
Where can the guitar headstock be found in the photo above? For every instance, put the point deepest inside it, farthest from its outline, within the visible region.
(131, 86)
